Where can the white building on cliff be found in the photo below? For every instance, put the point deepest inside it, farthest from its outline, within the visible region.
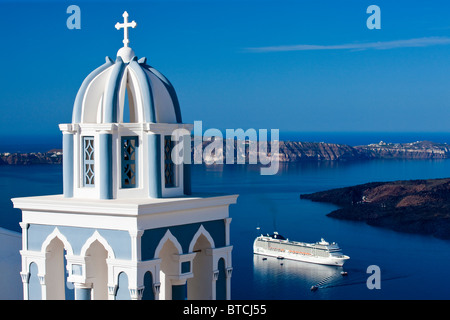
(127, 225)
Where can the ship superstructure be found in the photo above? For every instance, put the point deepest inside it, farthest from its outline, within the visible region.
(321, 252)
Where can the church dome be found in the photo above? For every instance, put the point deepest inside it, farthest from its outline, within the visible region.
(127, 82)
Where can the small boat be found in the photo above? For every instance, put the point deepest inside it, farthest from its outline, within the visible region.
(314, 288)
(344, 273)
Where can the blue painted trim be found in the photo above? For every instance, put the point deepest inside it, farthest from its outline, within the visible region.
(154, 166)
(119, 240)
(68, 165)
(146, 90)
(106, 179)
(187, 144)
(69, 288)
(112, 92)
(179, 292)
(77, 269)
(185, 267)
(83, 293)
(78, 104)
(187, 179)
(184, 235)
(169, 88)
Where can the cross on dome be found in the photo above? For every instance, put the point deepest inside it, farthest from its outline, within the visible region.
(125, 25)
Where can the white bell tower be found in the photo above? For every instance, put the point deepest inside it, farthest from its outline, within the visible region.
(127, 225)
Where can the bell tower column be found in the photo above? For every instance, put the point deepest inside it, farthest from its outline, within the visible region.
(83, 291)
(68, 136)
(106, 169)
(154, 165)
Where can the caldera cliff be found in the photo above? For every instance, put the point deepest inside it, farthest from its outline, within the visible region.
(414, 206)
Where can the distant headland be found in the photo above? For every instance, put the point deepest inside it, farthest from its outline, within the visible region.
(289, 151)
(53, 156)
(414, 206)
(297, 151)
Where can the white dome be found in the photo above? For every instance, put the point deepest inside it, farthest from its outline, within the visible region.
(101, 97)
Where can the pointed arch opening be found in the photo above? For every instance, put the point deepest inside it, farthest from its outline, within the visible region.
(96, 251)
(97, 269)
(169, 268)
(200, 287)
(55, 265)
(221, 283)
(129, 99)
(56, 248)
(148, 293)
(123, 292)
(34, 285)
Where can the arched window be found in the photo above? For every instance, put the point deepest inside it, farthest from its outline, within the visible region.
(88, 162)
(129, 161)
(169, 166)
(34, 286)
(148, 284)
(123, 293)
(221, 283)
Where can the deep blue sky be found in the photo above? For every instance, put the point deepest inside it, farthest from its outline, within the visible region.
(239, 64)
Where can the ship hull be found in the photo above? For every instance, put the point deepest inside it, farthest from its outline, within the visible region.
(330, 261)
(322, 252)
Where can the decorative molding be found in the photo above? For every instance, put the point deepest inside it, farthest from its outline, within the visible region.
(34, 256)
(136, 293)
(99, 238)
(156, 288)
(68, 128)
(108, 127)
(112, 290)
(136, 233)
(24, 225)
(168, 236)
(82, 285)
(57, 234)
(25, 277)
(201, 231)
(166, 128)
(117, 207)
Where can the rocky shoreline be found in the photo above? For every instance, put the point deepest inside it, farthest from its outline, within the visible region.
(414, 206)
(298, 151)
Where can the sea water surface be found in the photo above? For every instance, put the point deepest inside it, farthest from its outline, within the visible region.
(411, 266)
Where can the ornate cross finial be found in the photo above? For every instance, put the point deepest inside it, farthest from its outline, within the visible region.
(125, 25)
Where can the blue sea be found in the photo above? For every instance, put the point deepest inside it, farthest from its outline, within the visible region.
(411, 266)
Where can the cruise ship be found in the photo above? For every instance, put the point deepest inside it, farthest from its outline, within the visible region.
(321, 252)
